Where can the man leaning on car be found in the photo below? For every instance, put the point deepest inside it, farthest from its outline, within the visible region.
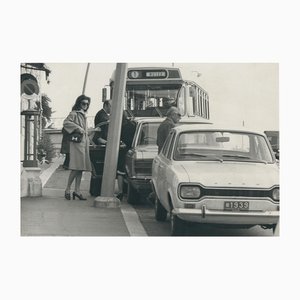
(173, 117)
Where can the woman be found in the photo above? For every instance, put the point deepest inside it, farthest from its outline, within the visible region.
(79, 152)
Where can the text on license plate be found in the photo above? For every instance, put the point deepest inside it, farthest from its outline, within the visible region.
(236, 205)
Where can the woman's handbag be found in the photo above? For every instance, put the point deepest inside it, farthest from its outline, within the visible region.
(75, 137)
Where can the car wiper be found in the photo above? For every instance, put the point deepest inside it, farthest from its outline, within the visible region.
(236, 156)
(244, 157)
(259, 161)
(194, 154)
(204, 156)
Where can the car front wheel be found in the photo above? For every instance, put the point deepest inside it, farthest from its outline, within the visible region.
(177, 225)
(160, 211)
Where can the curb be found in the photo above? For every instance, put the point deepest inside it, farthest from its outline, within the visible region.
(46, 174)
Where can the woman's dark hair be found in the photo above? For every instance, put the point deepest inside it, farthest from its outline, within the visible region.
(77, 106)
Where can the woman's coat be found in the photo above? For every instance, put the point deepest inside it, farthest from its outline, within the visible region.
(79, 152)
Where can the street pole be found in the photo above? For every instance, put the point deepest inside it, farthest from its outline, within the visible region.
(107, 198)
(85, 78)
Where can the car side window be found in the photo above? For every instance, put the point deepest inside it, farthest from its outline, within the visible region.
(167, 144)
(170, 148)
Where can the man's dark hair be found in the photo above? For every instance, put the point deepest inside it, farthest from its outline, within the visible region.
(106, 102)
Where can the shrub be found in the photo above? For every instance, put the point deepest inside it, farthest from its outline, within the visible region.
(45, 148)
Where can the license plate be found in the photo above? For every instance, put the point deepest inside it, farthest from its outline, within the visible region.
(236, 205)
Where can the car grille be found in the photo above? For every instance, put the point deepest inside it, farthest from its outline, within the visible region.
(236, 193)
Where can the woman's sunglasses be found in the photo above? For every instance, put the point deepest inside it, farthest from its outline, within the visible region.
(84, 103)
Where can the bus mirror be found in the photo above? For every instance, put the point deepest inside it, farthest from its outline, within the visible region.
(106, 93)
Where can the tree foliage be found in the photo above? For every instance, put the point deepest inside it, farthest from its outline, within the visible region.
(46, 109)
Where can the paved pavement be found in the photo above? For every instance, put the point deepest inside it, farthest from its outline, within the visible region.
(52, 215)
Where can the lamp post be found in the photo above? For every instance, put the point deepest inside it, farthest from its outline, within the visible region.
(31, 184)
(31, 138)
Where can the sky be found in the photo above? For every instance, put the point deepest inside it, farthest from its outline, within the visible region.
(240, 93)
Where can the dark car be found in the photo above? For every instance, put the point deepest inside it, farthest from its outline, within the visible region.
(273, 137)
(138, 159)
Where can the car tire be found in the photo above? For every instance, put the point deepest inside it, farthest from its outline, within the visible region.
(275, 229)
(160, 212)
(132, 194)
(177, 225)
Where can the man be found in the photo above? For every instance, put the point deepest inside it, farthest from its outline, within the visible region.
(173, 117)
(103, 114)
(168, 102)
(127, 134)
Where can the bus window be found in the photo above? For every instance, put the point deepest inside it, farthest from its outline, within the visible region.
(194, 94)
(180, 102)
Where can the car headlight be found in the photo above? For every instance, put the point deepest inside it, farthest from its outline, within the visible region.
(275, 194)
(190, 192)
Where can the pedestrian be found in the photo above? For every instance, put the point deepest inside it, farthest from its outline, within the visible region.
(103, 114)
(168, 102)
(173, 117)
(79, 151)
(127, 134)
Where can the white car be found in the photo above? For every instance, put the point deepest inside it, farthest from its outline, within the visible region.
(218, 176)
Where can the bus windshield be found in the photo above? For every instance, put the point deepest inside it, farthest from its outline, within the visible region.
(154, 99)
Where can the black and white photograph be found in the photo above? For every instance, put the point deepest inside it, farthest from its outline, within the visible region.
(161, 149)
(150, 150)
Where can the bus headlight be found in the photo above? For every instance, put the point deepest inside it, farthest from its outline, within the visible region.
(275, 194)
(190, 192)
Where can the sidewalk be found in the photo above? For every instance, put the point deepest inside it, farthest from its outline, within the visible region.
(53, 215)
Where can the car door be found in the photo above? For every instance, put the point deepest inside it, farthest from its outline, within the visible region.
(164, 162)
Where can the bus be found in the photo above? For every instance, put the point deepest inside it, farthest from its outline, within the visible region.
(150, 92)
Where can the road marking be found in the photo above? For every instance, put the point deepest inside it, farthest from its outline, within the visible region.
(132, 220)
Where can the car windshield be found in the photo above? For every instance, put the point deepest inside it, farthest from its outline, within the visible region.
(148, 134)
(222, 146)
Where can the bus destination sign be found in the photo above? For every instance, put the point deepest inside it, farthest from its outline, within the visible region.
(156, 74)
(147, 74)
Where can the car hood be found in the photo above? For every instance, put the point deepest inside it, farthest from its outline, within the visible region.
(146, 152)
(231, 174)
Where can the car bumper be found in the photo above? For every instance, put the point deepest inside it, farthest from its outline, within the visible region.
(205, 215)
(140, 184)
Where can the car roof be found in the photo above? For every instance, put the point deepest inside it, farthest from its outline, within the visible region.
(191, 127)
(148, 119)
